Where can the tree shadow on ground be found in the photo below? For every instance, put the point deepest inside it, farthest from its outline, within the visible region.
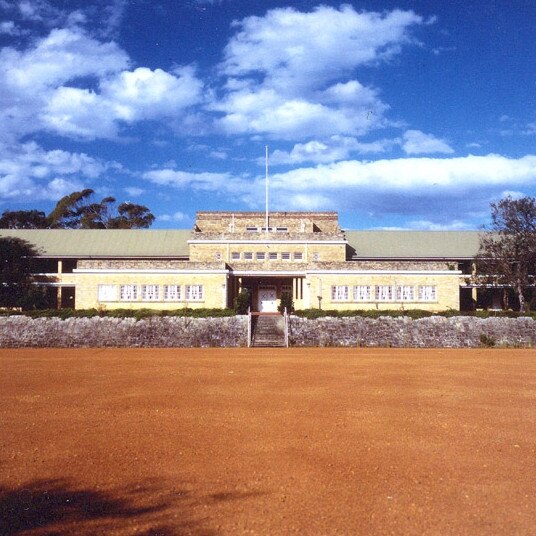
(56, 507)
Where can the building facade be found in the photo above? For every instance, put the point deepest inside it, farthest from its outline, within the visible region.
(304, 254)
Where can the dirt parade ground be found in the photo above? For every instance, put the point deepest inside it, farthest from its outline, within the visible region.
(267, 441)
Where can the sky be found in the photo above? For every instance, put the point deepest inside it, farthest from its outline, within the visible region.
(409, 114)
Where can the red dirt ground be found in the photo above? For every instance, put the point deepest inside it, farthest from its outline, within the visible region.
(268, 441)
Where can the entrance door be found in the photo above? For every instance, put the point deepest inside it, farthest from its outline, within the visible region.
(267, 300)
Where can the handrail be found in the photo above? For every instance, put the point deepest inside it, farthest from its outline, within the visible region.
(286, 318)
(249, 327)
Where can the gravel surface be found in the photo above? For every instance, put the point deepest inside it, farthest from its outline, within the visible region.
(267, 441)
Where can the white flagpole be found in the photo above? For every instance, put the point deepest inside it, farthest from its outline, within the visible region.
(266, 187)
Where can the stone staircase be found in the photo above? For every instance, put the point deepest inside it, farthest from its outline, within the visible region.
(268, 330)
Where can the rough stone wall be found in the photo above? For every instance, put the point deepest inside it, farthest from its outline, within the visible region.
(403, 332)
(167, 332)
(456, 332)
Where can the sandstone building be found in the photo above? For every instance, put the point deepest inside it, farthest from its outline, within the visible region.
(305, 254)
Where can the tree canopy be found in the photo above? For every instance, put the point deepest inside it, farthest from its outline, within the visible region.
(79, 210)
(507, 254)
(17, 288)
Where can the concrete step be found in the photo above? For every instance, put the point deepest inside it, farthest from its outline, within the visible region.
(268, 331)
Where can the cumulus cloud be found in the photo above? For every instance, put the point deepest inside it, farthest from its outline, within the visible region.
(331, 150)
(29, 171)
(417, 142)
(78, 86)
(286, 75)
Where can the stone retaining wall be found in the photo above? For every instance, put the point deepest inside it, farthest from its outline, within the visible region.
(456, 332)
(167, 332)
(403, 332)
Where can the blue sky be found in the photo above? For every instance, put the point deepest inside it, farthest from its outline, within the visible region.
(413, 114)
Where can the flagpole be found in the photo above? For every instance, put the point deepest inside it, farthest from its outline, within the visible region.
(266, 187)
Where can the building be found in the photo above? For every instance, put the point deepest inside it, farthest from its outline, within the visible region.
(305, 254)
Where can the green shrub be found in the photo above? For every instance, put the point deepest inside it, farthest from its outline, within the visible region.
(242, 302)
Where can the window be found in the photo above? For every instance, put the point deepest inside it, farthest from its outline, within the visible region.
(107, 293)
(385, 292)
(427, 293)
(194, 292)
(235, 256)
(260, 255)
(298, 256)
(362, 293)
(248, 255)
(405, 293)
(272, 256)
(285, 256)
(251, 229)
(172, 292)
(339, 292)
(150, 292)
(281, 229)
(128, 292)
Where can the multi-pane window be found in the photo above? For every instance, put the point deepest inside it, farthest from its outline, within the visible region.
(194, 292)
(362, 293)
(339, 292)
(285, 256)
(150, 292)
(298, 256)
(260, 255)
(172, 292)
(107, 293)
(272, 256)
(128, 292)
(235, 256)
(385, 292)
(405, 293)
(248, 255)
(427, 293)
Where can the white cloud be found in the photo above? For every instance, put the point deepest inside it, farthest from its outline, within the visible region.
(41, 88)
(31, 172)
(288, 78)
(417, 142)
(184, 179)
(134, 191)
(330, 150)
(176, 217)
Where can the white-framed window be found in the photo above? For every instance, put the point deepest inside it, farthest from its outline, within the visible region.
(251, 229)
(281, 229)
(128, 292)
(194, 292)
(427, 293)
(235, 255)
(285, 256)
(405, 293)
(260, 255)
(362, 293)
(248, 255)
(107, 293)
(298, 256)
(385, 292)
(150, 292)
(339, 293)
(272, 256)
(172, 292)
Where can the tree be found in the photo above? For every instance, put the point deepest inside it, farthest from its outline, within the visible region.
(507, 253)
(78, 210)
(17, 284)
(23, 219)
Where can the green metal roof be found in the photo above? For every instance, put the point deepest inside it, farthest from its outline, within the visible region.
(86, 243)
(414, 244)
